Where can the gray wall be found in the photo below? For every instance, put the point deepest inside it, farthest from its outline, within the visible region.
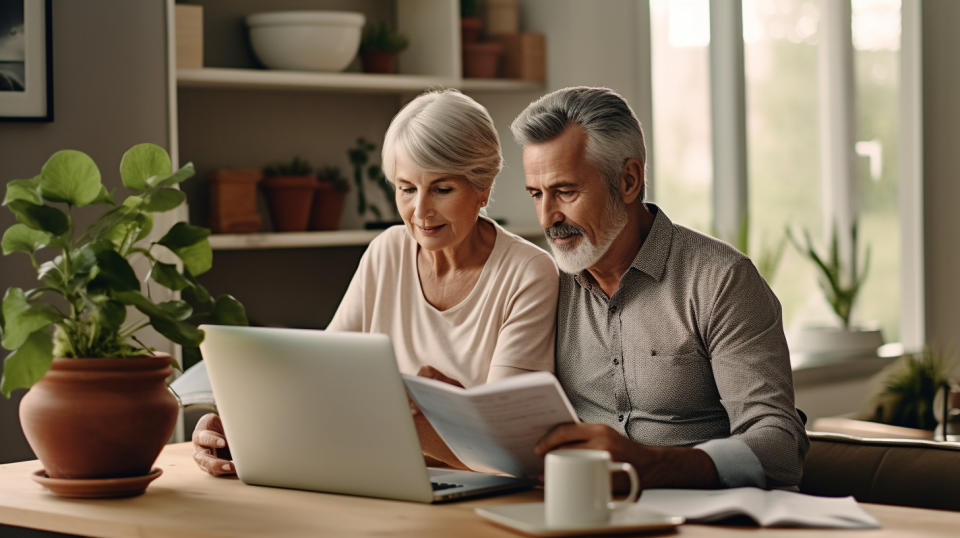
(941, 172)
(110, 92)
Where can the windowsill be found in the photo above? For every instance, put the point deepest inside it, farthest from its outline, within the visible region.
(812, 370)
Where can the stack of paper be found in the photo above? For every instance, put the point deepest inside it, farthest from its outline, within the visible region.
(768, 508)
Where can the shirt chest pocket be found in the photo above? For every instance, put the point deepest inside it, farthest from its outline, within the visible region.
(678, 386)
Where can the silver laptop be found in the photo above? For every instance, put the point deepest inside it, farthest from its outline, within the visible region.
(325, 411)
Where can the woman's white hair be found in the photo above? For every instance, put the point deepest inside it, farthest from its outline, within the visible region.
(445, 131)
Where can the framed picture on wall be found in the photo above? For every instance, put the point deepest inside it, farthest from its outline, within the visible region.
(26, 61)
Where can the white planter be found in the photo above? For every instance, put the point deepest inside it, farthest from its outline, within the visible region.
(836, 342)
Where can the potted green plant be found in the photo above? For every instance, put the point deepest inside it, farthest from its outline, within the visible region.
(841, 281)
(359, 156)
(379, 48)
(99, 406)
(907, 390)
(290, 189)
(328, 202)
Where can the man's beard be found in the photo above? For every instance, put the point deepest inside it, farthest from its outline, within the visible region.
(583, 254)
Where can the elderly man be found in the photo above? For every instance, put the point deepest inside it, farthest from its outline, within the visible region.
(669, 343)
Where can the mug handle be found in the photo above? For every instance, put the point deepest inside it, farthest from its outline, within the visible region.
(634, 483)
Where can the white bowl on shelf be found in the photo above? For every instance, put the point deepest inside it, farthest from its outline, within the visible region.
(306, 40)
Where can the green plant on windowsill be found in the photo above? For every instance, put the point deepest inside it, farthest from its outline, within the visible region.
(359, 156)
(909, 386)
(840, 282)
(79, 307)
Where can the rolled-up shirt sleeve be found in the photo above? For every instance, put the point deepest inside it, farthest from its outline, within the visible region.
(751, 367)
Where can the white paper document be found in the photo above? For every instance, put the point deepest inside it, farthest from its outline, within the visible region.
(494, 428)
(193, 387)
(774, 508)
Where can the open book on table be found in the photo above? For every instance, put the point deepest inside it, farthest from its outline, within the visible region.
(494, 427)
(775, 508)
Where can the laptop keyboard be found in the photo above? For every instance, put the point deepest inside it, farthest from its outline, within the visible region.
(437, 486)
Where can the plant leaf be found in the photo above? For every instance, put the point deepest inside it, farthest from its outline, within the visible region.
(163, 199)
(115, 273)
(182, 235)
(21, 319)
(227, 310)
(180, 332)
(104, 197)
(40, 217)
(26, 365)
(167, 275)
(27, 190)
(70, 176)
(140, 163)
(185, 172)
(176, 310)
(112, 315)
(22, 238)
(197, 258)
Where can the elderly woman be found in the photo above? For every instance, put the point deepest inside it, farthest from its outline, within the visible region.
(462, 299)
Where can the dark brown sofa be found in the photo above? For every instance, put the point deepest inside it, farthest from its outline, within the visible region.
(886, 471)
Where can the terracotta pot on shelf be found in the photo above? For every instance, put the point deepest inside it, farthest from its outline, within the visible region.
(470, 28)
(100, 418)
(233, 201)
(481, 60)
(327, 207)
(290, 199)
(378, 61)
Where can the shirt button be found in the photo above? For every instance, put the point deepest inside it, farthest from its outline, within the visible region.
(613, 309)
(616, 362)
(620, 418)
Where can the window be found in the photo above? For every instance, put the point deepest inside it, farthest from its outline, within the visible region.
(784, 60)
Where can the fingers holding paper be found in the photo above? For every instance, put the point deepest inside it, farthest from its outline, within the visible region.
(210, 450)
(433, 373)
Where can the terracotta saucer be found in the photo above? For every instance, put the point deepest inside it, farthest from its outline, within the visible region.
(96, 488)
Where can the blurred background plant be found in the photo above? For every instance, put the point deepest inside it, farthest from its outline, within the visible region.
(359, 156)
(840, 281)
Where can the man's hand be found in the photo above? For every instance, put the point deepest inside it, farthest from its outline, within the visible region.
(210, 449)
(675, 467)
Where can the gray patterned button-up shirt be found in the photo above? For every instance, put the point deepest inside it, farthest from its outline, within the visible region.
(689, 349)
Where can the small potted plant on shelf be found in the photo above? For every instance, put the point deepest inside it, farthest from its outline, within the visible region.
(290, 189)
(481, 59)
(379, 48)
(328, 201)
(359, 156)
(841, 281)
(99, 406)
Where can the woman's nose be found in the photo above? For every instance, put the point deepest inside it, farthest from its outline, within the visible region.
(423, 207)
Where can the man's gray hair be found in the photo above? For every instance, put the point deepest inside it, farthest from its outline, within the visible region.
(445, 131)
(613, 130)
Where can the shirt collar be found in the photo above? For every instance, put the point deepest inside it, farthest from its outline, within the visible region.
(652, 256)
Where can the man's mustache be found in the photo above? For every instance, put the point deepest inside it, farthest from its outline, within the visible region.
(560, 231)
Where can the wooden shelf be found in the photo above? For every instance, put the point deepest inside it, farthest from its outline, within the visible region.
(339, 238)
(262, 79)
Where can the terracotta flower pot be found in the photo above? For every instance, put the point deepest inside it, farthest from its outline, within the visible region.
(233, 201)
(378, 61)
(327, 207)
(290, 199)
(480, 60)
(470, 28)
(100, 418)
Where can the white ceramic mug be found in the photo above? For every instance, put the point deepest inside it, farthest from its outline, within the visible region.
(577, 487)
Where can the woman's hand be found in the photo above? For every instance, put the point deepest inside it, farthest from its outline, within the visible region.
(433, 373)
(210, 449)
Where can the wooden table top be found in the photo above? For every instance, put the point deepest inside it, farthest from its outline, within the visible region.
(184, 502)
